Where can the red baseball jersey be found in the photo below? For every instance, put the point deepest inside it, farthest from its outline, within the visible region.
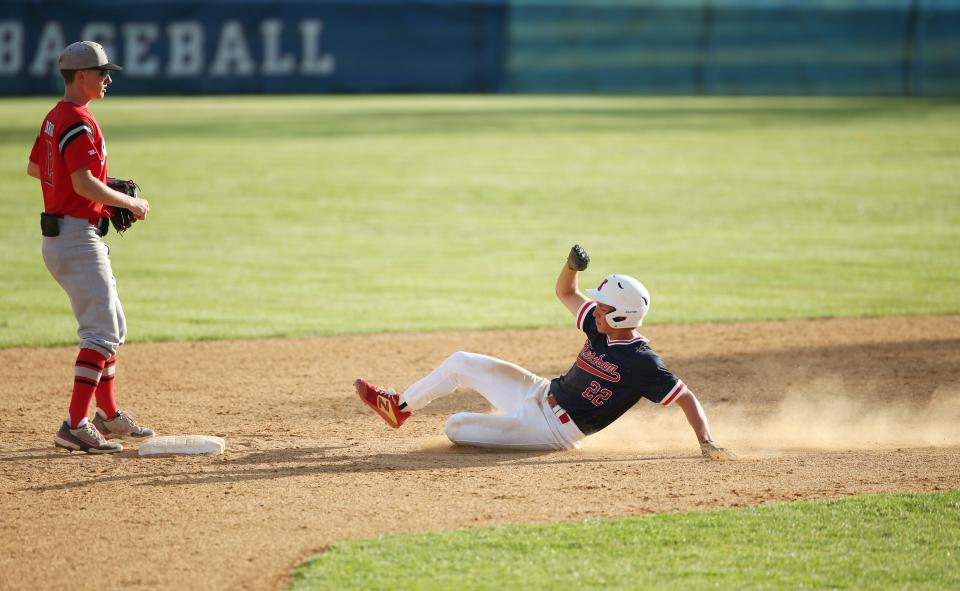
(69, 139)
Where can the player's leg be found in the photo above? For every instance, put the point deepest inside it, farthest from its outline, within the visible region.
(80, 263)
(75, 259)
(106, 396)
(110, 420)
(526, 428)
(106, 399)
(102, 324)
(70, 257)
(505, 385)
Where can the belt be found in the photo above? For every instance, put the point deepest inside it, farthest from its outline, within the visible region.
(102, 224)
(558, 410)
(93, 221)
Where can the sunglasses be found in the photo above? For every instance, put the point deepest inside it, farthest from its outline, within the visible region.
(103, 73)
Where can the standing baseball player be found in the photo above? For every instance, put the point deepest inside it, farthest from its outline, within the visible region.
(69, 158)
(615, 368)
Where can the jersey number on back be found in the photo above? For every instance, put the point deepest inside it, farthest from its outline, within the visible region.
(48, 164)
(597, 394)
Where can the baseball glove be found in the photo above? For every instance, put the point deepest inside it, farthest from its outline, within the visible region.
(121, 217)
(578, 259)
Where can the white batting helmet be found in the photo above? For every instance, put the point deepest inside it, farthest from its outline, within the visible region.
(629, 298)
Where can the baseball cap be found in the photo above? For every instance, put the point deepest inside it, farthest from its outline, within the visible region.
(86, 55)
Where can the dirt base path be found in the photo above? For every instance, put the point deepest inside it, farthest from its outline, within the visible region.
(816, 409)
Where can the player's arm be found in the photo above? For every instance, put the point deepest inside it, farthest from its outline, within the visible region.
(698, 422)
(89, 186)
(33, 162)
(695, 415)
(568, 288)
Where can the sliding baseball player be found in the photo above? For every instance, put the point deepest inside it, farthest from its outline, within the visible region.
(615, 369)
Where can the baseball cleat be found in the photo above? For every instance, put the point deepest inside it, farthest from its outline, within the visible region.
(122, 425)
(385, 403)
(86, 438)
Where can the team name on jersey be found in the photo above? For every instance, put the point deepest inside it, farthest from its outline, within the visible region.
(595, 364)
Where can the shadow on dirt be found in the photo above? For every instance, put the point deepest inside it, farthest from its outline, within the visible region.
(34, 453)
(308, 461)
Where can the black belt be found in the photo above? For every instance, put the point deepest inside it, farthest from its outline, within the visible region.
(50, 224)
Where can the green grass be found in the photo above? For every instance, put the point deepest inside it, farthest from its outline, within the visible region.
(326, 215)
(909, 541)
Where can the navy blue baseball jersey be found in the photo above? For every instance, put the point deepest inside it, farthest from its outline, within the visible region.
(610, 376)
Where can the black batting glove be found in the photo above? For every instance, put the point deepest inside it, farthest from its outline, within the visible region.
(578, 259)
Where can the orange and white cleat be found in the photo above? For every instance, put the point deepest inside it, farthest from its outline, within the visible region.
(385, 403)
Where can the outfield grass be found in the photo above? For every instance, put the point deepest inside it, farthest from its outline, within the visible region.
(328, 215)
(908, 541)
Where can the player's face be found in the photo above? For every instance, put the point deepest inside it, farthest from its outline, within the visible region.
(95, 82)
(600, 315)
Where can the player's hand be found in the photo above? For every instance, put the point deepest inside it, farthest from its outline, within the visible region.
(139, 207)
(714, 452)
(578, 259)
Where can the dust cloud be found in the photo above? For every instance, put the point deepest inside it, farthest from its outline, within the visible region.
(822, 418)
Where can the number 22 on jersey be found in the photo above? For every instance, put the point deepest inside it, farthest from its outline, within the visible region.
(596, 394)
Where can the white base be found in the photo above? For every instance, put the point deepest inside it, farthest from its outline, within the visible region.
(182, 445)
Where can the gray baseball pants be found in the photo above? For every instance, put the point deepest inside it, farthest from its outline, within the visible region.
(80, 262)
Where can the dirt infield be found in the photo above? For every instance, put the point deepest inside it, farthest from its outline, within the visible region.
(816, 409)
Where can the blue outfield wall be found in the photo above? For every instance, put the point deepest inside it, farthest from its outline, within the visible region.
(261, 46)
(736, 47)
(722, 47)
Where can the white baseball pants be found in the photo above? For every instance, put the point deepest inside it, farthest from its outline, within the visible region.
(527, 420)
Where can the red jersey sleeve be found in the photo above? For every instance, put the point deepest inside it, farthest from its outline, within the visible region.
(78, 148)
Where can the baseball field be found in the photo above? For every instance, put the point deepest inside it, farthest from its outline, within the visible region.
(802, 256)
